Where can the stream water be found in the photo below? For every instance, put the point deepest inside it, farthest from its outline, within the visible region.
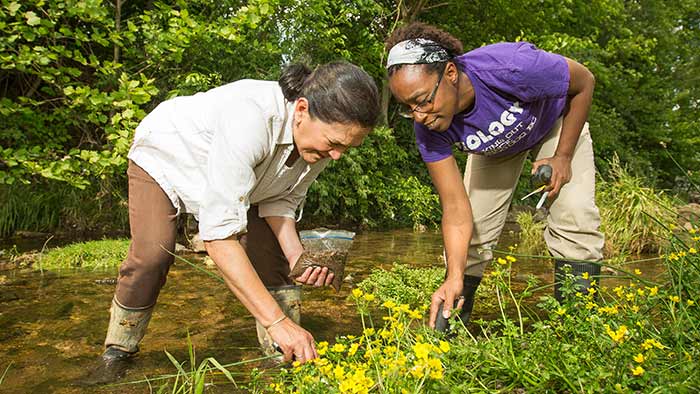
(52, 325)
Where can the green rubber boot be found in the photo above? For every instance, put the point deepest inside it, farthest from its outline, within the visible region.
(577, 269)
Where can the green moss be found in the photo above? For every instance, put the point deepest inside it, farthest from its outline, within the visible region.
(106, 253)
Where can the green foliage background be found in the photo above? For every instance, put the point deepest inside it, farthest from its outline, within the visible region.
(76, 76)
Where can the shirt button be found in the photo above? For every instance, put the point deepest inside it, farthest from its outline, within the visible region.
(241, 199)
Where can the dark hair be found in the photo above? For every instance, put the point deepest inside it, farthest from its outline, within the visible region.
(338, 92)
(446, 40)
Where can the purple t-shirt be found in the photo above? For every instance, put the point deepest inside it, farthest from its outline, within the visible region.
(520, 93)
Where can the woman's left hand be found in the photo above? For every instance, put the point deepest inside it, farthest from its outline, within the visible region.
(314, 276)
(561, 172)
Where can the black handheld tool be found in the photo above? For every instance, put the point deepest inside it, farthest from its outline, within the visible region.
(541, 177)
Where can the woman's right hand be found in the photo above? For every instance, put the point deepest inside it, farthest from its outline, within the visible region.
(294, 341)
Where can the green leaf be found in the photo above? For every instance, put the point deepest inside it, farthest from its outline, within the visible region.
(13, 8)
(32, 19)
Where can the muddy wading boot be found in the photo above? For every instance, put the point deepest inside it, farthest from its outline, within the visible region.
(126, 329)
(577, 269)
(470, 284)
(289, 299)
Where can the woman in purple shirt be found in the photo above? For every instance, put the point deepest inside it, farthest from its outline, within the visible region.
(498, 103)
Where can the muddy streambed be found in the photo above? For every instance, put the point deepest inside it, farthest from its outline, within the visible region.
(52, 325)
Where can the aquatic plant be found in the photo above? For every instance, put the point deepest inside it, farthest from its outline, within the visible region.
(96, 255)
(629, 209)
(530, 239)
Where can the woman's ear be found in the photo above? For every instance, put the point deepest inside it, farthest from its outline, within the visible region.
(301, 110)
(452, 73)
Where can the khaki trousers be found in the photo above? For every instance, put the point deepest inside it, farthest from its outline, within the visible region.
(153, 224)
(573, 219)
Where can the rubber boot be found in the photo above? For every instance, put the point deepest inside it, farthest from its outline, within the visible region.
(126, 329)
(470, 285)
(577, 269)
(289, 299)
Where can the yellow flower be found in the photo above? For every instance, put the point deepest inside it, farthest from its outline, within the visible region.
(619, 291)
(674, 298)
(338, 372)
(421, 350)
(619, 335)
(653, 291)
(696, 238)
(357, 293)
(389, 304)
(444, 347)
(692, 251)
(639, 358)
(501, 261)
(637, 271)
(369, 297)
(415, 314)
(681, 253)
(561, 311)
(690, 302)
(353, 349)
(511, 259)
(692, 231)
(591, 290)
(635, 308)
(638, 370)
(652, 343)
(338, 348)
(368, 331)
(590, 305)
(585, 275)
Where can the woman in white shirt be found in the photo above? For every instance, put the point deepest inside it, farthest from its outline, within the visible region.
(239, 157)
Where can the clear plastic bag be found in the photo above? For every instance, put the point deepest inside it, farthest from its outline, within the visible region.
(325, 248)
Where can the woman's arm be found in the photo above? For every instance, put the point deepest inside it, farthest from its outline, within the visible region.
(241, 278)
(580, 97)
(286, 232)
(456, 231)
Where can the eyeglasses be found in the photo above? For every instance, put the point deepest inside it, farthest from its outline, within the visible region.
(424, 106)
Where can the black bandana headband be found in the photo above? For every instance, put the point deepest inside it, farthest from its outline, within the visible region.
(417, 51)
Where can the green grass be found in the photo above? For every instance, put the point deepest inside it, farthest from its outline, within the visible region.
(629, 210)
(530, 239)
(95, 255)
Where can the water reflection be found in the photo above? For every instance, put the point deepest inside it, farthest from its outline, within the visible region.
(52, 325)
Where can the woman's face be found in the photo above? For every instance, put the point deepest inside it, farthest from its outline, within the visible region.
(432, 97)
(316, 140)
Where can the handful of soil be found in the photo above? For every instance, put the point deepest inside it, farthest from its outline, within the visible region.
(324, 248)
(334, 260)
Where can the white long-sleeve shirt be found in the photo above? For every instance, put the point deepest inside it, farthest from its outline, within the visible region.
(217, 152)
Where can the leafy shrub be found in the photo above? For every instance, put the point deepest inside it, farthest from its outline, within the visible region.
(96, 255)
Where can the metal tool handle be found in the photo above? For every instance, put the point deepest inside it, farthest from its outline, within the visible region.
(542, 176)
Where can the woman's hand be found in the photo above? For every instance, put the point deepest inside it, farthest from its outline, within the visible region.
(445, 295)
(294, 341)
(561, 172)
(313, 276)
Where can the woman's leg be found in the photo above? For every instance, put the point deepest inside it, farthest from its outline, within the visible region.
(490, 183)
(153, 223)
(573, 222)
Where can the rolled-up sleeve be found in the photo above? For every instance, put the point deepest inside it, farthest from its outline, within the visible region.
(287, 205)
(240, 141)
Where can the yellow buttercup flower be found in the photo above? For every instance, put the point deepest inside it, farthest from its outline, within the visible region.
(674, 298)
(511, 259)
(501, 261)
(619, 335)
(639, 358)
(444, 347)
(369, 297)
(653, 291)
(652, 343)
(585, 275)
(690, 302)
(637, 271)
(561, 311)
(638, 370)
(692, 251)
(353, 349)
(389, 304)
(357, 293)
(338, 348)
